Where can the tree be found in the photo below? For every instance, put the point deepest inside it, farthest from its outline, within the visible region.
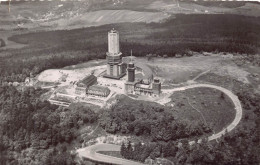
(156, 152)
(2, 43)
(169, 149)
(137, 152)
(222, 96)
(129, 150)
(123, 149)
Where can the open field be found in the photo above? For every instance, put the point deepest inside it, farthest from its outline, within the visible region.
(181, 70)
(56, 75)
(204, 104)
(67, 15)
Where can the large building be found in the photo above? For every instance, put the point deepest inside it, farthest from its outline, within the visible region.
(115, 67)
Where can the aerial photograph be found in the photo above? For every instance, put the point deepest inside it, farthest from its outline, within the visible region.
(129, 82)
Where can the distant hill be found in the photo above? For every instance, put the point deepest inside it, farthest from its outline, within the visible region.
(228, 4)
(51, 15)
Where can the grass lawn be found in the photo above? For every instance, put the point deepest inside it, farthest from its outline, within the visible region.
(225, 81)
(204, 104)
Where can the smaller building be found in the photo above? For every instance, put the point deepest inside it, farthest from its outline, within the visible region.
(97, 90)
(80, 90)
(143, 89)
(130, 87)
(87, 81)
(84, 84)
(156, 87)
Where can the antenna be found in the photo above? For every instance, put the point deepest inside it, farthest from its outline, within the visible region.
(131, 56)
(9, 6)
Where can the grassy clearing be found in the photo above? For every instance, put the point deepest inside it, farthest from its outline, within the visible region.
(111, 153)
(225, 81)
(216, 108)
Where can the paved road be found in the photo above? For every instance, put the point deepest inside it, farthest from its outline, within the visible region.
(91, 151)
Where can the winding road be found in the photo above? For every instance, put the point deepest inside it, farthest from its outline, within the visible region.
(91, 151)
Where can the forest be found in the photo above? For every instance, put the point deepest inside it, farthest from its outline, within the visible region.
(34, 131)
(150, 120)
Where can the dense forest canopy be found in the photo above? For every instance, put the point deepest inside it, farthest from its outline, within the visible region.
(29, 123)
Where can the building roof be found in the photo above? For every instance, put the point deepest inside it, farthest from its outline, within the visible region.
(99, 88)
(144, 86)
(87, 80)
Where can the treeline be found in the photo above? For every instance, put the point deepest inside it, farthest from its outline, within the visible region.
(29, 125)
(33, 66)
(231, 149)
(150, 120)
(227, 33)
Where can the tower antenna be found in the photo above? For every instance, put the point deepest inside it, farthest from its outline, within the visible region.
(131, 56)
(9, 5)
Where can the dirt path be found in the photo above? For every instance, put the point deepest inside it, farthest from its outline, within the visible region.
(201, 114)
(198, 76)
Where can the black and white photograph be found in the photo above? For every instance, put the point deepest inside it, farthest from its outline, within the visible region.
(129, 82)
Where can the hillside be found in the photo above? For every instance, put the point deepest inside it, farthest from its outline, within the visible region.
(43, 15)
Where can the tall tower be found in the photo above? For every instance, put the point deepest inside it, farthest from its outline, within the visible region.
(115, 67)
(130, 83)
(113, 42)
(131, 70)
